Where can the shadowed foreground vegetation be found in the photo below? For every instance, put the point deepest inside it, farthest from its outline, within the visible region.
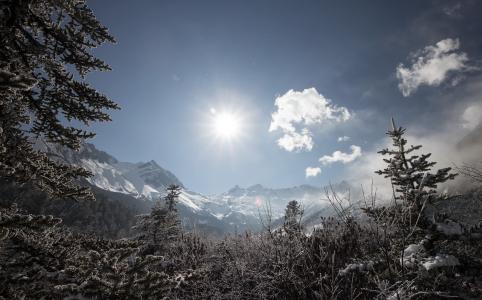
(409, 249)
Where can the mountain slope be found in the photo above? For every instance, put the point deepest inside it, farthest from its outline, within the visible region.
(238, 209)
(143, 179)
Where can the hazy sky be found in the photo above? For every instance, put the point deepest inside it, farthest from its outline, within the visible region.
(312, 84)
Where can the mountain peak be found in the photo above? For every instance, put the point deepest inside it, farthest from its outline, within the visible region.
(152, 164)
(256, 187)
(234, 189)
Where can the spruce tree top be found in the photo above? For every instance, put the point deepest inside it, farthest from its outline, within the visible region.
(173, 192)
(293, 215)
(410, 173)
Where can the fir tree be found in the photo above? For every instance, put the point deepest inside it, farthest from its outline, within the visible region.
(33, 250)
(159, 229)
(293, 215)
(40, 260)
(114, 270)
(410, 173)
(173, 192)
(44, 58)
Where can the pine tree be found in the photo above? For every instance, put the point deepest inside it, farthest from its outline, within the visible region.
(41, 260)
(293, 215)
(173, 192)
(32, 254)
(44, 58)
(410, 173)
(173, 223)
(159, 229)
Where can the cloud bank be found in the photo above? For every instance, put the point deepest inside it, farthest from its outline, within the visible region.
(296, 111)
(431, 66)
(312, 172)
(342, 157)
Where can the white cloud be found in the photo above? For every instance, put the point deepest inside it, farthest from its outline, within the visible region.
(343, 138)
(342, 157)
(431, 66)
(296, 142)
(472, 116)
(302, 109)
(312, 172)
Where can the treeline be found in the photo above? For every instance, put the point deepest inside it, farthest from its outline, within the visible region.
(111, 215)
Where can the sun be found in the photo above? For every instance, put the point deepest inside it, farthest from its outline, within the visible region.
(226, 125)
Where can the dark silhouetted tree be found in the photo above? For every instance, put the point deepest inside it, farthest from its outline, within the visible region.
(293, 214)
(162, 226)
(173, 192)
(44, 58)
(410, 173)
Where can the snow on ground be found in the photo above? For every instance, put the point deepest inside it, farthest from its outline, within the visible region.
(440, 260)
(360, 267)
(412, 255)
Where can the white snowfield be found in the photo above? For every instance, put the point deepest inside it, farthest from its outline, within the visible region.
(107, 177)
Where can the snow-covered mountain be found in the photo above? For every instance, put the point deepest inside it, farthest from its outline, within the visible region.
(142, 179)
(237, 209)
(257, 198)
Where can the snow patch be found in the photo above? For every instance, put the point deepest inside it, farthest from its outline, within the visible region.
(107, 177)
(150, 192)
(360, 267)
(440, 260)
(218, 216)
(412, 255)
(184, 199)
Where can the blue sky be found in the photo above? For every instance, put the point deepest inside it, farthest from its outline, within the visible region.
(175, 60)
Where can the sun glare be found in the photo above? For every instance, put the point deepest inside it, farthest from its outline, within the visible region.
(226, 125)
